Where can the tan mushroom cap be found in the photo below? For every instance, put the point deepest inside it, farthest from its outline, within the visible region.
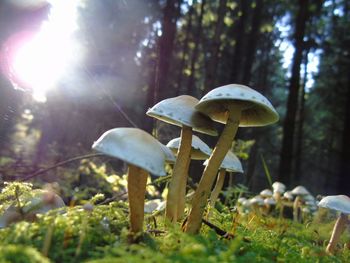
(231, 163)
(339, 203)
(133, 146)
(257, 110)
(181, 111)
(200, 150)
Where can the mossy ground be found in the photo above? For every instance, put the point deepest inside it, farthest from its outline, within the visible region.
(101, 236)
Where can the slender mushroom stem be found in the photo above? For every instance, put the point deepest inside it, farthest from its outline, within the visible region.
(296, 206)
(180, 172)
(182, 193)
(137, 180)
(338, 229)
(218, 186)
(201, 195)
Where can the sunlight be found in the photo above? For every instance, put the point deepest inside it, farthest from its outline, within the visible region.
(40, 62)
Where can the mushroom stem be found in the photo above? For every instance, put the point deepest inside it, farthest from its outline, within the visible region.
(182, 193)
(202, 193)
(180, 173)
(137, 180)
(296, 206)
(217, 188)
(338, 229)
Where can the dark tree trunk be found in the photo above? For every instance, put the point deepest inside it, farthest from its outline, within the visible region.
(285, 167)
(210, 76)
(191, 89)
(253, 39)
(299, 132)
(344, 172)
(237, 60)
(158, 81)
(185, 49)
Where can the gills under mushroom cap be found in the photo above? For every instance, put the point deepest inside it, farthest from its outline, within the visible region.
(200, 150)
(133, 146)
(181, 111)
(256, 109)
(339, 203)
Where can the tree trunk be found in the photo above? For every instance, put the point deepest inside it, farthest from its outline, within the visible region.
(344, 172)
(253, 39)
(158, 82)
(285, 167)
(210, 75)
(191, 89)
(185, 49)
(238, 58)
(299, 132)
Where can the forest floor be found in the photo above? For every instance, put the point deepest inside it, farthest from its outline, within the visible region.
(100, 236)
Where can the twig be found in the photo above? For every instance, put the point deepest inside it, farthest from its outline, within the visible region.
(77, 158)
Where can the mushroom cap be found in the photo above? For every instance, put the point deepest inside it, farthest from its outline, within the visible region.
(339, 203)
(43, 201)
(269, 201)
(256, 200)
(200, 150)
(169, 155)
(266, 193)
(288, 195)
(256, 109)
(278, 187)
(300, 190)
(152, 205)
(181, 111)
(231, 163)
(133, 146)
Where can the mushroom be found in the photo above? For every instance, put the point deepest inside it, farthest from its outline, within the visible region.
(144, 155)
(266, 193)
(298, 191)
(39, 202)
(199, 151)
(278, 190)
(340, 203)
(230, 164)
(236, 105)
(180, 111)
(269, 204)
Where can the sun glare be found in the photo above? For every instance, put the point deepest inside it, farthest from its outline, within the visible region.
(42, 61)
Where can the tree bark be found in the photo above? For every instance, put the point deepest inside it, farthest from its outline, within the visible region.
(253, 39)
(191, 89)
(185, 48)
(285, 167)
(210, 80)
(238, 58)
(344, 172)
(299, 132)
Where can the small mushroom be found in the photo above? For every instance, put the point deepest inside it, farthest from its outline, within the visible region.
(266, 193)
(199, 151)
(180, 111)
(299, 192)
(40, 202)
(340, 203)
(230, 164)
(235, 105)
(143, 154)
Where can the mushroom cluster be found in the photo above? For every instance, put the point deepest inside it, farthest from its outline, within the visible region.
(233, 105)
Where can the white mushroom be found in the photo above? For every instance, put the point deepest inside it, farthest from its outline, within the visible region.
(235, 105)
(340, 203)
(143, 154)
(230, 164)
(199, 151)
(299, 192)
(180, 111)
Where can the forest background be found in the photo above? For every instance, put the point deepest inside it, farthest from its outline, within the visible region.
(133, 54)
